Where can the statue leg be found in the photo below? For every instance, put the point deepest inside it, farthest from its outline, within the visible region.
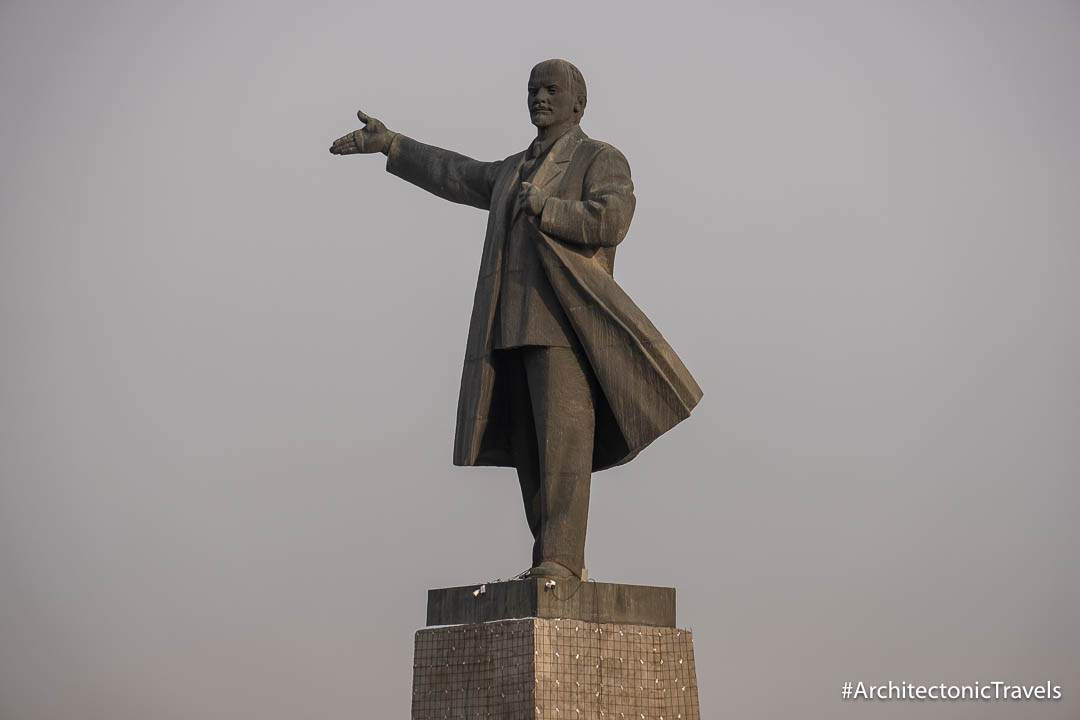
(523, 441)
(562, 390)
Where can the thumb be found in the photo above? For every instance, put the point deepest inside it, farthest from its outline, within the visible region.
(362, 117)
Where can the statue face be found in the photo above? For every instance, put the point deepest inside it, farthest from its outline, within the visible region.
(551, 98)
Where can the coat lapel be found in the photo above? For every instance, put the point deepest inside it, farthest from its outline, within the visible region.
(554, 164)
(506, 192)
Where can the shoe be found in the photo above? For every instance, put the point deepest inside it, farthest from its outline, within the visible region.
(552, 569)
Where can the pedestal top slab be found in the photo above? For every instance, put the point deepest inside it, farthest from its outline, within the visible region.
(532, 597)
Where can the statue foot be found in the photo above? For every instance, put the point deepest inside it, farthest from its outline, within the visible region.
(551, 569)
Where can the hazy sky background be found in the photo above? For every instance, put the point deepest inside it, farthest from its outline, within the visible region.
(229, 361)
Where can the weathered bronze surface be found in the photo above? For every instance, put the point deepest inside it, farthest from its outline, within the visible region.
(563, 374)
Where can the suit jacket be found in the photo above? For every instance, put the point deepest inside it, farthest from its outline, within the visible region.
(646, 389)
(528, 312)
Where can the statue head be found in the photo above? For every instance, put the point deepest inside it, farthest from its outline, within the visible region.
(556, 94)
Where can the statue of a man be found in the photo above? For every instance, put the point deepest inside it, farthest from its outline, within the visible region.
(563, 374)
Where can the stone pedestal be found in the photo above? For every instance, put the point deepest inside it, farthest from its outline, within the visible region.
(564, 668)
(599, 602)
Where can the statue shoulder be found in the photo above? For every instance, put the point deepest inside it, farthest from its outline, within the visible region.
(593, 149)
(510, 161)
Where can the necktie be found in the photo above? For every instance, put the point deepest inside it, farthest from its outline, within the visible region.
(531, 157)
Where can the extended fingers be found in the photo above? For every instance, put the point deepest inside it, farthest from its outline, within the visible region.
(345, 145)
(338, 146)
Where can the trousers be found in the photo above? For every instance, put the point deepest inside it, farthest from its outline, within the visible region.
(552, 416)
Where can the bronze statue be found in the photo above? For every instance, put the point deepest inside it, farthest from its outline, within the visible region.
(563, 374)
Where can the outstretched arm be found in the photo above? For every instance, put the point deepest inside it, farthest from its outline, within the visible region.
(601, 217)
(447, 174)
(451, 176)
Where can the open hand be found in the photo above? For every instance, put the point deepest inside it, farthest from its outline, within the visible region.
(372, 138)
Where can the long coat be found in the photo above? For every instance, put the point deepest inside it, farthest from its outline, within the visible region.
(646, 390)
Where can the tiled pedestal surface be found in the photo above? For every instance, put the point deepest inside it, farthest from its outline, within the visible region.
(558, 668)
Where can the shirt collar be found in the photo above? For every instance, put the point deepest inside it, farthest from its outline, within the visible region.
(538, 147)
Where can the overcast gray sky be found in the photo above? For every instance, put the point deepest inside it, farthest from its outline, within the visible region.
(229, 361)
